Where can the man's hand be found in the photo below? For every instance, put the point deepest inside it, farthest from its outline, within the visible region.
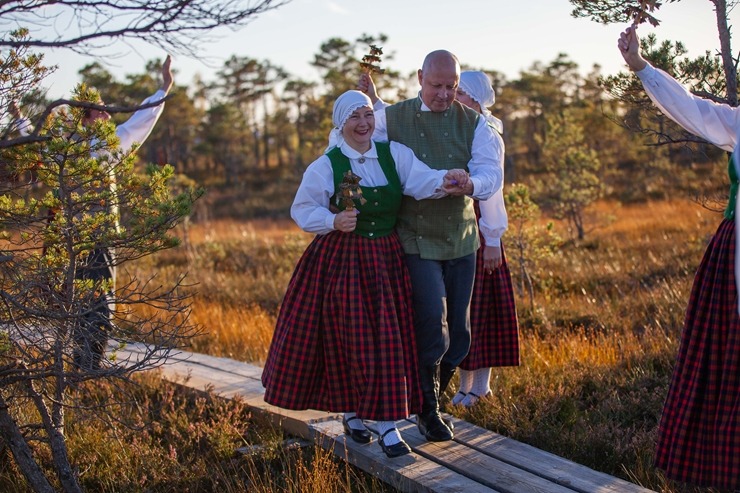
(457, 182)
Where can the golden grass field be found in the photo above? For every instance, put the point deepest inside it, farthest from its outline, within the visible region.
(597, 353)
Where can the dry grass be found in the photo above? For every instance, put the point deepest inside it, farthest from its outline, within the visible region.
(597, 351)
(597, 354)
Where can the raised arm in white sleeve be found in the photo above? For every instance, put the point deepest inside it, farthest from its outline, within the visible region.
(380, 134)
(137, 128)
(717, 123)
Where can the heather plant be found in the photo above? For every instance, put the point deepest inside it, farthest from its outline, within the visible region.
(170, 438)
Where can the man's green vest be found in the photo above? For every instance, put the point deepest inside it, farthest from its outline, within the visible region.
(437, 229)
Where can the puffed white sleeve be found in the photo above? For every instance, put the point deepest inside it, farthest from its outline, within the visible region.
(417, 179)
(310, 209)
(493, 221)
(137, 128)
(714, 122)
(485, 166)
(380, 134)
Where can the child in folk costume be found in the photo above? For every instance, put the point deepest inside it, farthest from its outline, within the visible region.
(494, 328)
(344, 338)
(699, 431)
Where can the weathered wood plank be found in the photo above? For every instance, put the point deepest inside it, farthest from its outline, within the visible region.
(410, 473)
(487, 470)
(555, 468)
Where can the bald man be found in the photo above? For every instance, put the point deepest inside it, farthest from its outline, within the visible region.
(440, 237)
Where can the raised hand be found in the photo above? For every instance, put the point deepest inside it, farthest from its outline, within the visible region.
(167, 74)
(629, 47)
(366, 84)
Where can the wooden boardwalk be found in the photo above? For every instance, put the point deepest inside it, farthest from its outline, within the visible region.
(477, 460)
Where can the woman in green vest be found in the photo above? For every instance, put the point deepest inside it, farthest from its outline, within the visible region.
(344, 338)
(699, 433)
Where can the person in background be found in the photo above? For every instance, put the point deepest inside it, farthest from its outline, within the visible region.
(91, 336)
(440, 238)
(699, 432)
(344, 337)
(494, 327)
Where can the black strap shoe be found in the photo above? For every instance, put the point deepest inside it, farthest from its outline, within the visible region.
(395, 450)
(359, 436)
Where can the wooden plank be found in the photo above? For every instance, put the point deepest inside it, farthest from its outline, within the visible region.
(482, 468)
(409, 473)
(204, 361)
(552, 467)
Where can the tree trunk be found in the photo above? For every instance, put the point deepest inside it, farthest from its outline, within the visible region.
(265, 135)
(54, 426)
(22, 452)
(728, 63)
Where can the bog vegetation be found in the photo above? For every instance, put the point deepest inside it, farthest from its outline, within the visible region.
(597, 352)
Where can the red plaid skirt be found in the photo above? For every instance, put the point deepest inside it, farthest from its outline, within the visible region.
(344, 339)
(699, 433)
(494, 327)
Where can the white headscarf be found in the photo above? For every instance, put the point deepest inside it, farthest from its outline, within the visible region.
(344, 106)
(478, 86)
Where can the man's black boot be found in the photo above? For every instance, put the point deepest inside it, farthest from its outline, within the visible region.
(429, 421)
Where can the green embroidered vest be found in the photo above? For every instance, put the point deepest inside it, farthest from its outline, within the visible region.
(378, 214)
(437, 229)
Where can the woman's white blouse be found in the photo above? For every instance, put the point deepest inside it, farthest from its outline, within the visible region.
(137, 128)
(716, 123)
(310, 209)
(494, 221)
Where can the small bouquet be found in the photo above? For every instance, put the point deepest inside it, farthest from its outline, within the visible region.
(370, 63)
(349, 191)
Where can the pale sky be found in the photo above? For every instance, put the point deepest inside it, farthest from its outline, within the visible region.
(508, 36)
